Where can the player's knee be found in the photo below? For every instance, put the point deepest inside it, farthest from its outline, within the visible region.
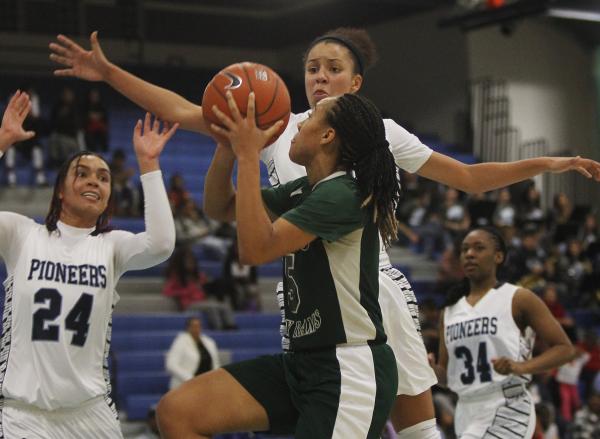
(167, 414)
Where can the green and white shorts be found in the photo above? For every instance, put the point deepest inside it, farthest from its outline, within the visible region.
(341, 392)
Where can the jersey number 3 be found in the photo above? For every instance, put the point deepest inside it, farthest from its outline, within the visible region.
(77, 320)
(483, 366)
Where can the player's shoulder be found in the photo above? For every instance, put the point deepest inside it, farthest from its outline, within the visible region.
(341, 190)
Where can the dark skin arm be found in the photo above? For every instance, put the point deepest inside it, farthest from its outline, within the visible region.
(529, 310)
(442, 361)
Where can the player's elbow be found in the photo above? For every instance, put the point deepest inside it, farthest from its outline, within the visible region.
(251, 255)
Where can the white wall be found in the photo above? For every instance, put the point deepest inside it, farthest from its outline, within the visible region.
(550, 81)
(422, 74)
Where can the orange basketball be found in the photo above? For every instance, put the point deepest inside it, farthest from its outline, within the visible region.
(271, 95)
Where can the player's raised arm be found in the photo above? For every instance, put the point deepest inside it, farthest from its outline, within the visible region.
(93, 65)
(11, 130)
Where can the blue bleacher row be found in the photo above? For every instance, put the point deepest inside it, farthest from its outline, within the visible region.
(140, 341)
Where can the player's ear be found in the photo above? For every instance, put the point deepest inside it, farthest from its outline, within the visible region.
(357, 81)
(328, 136)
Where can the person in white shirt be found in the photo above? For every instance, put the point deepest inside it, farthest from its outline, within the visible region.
(191, 354)
(60, 290)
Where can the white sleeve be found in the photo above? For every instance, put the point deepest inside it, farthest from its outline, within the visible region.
(155, 245)
(409, 153)
(13, 231)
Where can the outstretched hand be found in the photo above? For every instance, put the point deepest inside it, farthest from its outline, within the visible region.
(242, 132)
(91, 65)
(11, 130)
(149, 141)
(586, 167)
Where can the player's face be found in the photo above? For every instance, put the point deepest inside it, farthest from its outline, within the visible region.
(85, 192)
(329, 71)
(478, 255)
(312, 133)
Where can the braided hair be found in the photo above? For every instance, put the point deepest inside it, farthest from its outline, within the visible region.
(56, 203)
(365, 150)
(464, 287)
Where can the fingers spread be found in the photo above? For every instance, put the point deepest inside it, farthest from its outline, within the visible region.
(60, 50)
(61, 59)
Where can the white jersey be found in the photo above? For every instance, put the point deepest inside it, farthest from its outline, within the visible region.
(60, 293)
(476, 334)
(409, 153)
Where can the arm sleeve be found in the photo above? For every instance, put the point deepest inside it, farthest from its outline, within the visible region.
(13, 230)
(409, 153)
(155, 245)
(329, 212)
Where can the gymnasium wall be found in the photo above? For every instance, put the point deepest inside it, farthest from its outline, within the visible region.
(550, 82)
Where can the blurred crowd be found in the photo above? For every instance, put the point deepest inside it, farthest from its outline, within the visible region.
(554, 252)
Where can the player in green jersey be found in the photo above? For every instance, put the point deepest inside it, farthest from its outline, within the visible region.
(339, 378)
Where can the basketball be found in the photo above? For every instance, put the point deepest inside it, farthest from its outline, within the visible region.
(272, 96)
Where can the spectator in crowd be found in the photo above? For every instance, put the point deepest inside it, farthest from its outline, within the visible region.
(551, 299)
(574, 269)
(456, 218)
(178, 193)
(193, 228)
(505, 214)
(192, 353)
(562, 209)
(127, 200)
(481, 209)
(568, 380)
(526, 264)
(29, 149)
(587, 420)
(545, 427)
(240, 282)
(429, 318)
(591, 369)
(151, 428)
(588, 231)
(185, 281)
(450, 270)
(95, 125)
(423, 223)
(530, 210)
(65, 126)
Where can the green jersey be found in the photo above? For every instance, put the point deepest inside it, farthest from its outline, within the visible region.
(331, 285)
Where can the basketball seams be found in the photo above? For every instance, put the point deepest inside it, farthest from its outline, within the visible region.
(273, 97)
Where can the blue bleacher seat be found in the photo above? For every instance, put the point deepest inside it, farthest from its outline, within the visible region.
(145, 361)
(142, 340)
(132, 383)
(137, 405)
(272, 269)
(248, 354)
(149, 322)
(257, 321)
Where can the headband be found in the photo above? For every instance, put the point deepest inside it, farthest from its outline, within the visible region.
(344, 42)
